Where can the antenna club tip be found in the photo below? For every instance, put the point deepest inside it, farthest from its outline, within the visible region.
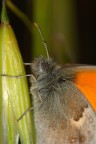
(36, 25)
(44, 42)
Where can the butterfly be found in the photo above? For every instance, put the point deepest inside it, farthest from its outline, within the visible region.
(64, 101)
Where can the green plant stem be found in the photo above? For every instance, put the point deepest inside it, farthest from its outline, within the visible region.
(20, 14)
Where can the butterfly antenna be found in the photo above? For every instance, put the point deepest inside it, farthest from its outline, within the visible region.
(43, 40)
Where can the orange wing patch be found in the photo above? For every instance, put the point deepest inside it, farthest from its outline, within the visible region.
(86, 82)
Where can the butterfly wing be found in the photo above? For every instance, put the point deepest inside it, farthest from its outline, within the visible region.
(86, 82)
(81, 127)
(66, 115)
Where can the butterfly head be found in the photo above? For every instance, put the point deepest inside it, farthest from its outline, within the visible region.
(42, 65)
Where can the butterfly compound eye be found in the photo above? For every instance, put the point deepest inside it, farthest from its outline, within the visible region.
(45, 66)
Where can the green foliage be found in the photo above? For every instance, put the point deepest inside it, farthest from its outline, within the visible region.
(14, 93)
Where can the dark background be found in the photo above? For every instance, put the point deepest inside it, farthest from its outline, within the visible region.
(85, 20)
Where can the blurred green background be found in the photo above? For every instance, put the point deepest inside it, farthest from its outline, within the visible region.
(68, 27)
